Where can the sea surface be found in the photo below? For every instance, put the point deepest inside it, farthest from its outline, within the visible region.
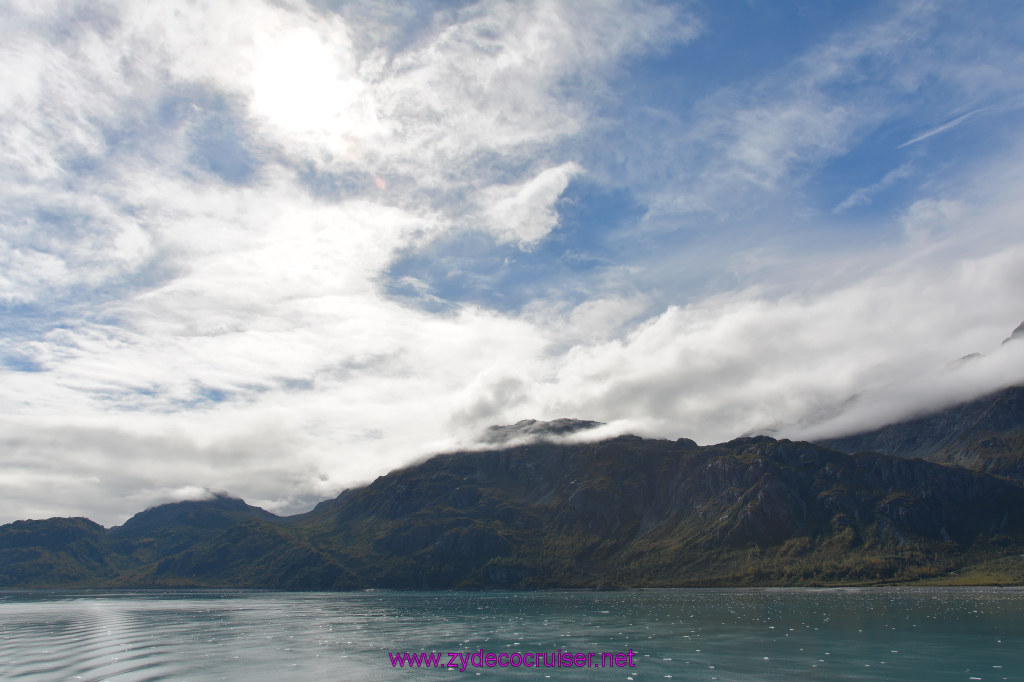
(691, 634)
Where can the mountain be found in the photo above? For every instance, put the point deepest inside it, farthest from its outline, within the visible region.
(636, 512)
(622, 512)
(986, 434)
(78, 552)
(536, 430)
(62, 551)
(937, 497)
(169, 528)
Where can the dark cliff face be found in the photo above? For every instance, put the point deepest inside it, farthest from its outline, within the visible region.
(986, 434)
(626, 511)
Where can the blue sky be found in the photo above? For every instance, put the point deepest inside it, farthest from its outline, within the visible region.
(281, 248)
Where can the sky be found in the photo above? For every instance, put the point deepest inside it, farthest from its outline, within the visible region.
(279, 248)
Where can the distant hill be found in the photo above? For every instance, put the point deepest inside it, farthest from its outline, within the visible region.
(623, 512)
(162, 531)
(71, 552)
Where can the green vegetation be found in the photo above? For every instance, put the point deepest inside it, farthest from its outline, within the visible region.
(1008, 570)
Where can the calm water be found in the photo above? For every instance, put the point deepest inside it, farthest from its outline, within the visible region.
(765, 634)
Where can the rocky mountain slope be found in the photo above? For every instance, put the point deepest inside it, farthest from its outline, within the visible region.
(986, 434)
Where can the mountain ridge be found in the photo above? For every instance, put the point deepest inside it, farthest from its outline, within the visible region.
(625, 511)
(933, 498)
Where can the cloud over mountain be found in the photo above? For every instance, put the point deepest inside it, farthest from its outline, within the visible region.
(280, 248)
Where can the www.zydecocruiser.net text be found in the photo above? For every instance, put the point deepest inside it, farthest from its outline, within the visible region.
(463, 660)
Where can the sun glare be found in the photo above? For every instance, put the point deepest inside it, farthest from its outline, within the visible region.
(303, 85)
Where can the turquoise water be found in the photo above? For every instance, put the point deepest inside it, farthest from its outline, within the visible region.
(730, 634)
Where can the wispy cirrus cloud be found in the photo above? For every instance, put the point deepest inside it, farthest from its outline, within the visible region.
(863, 195)
(942, 128)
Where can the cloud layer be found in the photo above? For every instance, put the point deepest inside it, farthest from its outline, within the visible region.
(205, 205)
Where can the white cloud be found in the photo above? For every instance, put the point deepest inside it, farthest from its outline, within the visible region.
(525, 213)
(496, 78)
(740, 362)
(998, 367)
(942, 128)
(767, 136)
(863, 195)
(201, 330)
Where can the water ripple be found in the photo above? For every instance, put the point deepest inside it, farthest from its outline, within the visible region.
(942, 634)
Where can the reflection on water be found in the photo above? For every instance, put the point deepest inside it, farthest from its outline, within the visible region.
(767, 634)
